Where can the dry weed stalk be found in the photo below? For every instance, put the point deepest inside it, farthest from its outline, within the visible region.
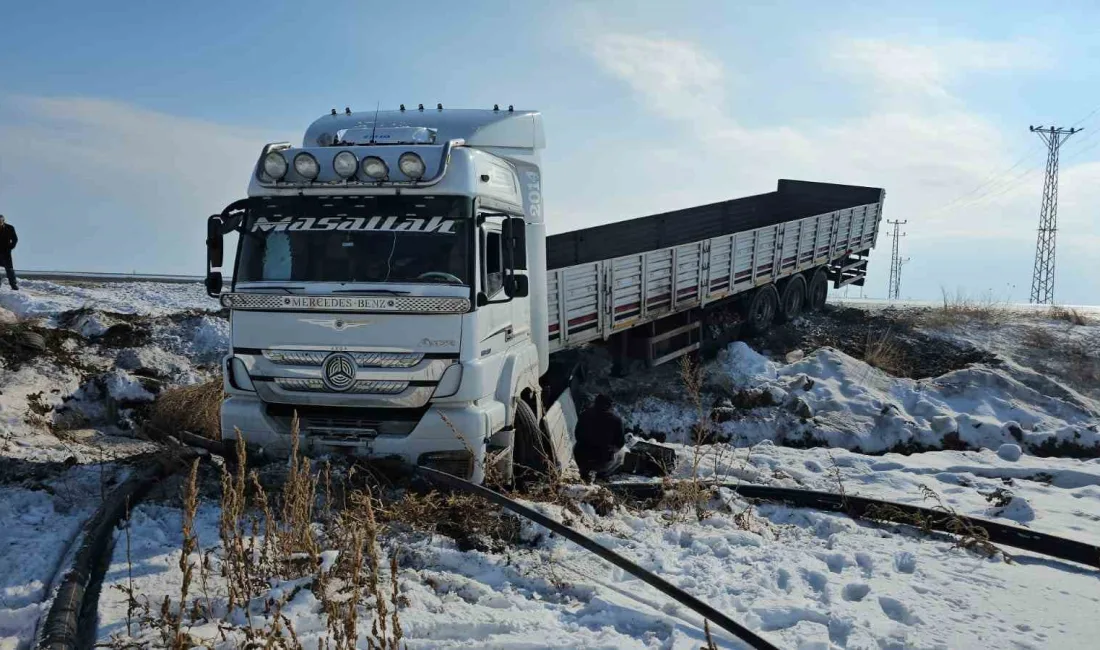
(189, 546)
(967, 535)
(711, 645)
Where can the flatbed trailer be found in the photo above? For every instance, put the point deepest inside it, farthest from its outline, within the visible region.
(609, 279)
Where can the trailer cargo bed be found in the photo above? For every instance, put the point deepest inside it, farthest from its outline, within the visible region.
(611, 278)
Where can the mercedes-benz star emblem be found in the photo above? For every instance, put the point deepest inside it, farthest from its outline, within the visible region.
(338, 371)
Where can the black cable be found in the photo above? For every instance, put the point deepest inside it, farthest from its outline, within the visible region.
(687, 600)
(903, 513)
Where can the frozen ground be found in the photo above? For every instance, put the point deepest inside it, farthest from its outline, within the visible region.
(803, 579)
(37, 298)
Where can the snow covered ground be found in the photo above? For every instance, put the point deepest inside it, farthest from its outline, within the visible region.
(38, 298)
(1003, 434)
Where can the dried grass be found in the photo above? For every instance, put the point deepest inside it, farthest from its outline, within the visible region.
(278, 536)
(960, 309)
(882, 351)
(196, 409)
(1068, 314)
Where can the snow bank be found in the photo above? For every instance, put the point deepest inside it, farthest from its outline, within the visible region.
(39, 299)
(831, 398)
(202, 339)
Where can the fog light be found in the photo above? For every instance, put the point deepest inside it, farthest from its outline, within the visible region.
(345, 164)
(306, 166)
(411, 165)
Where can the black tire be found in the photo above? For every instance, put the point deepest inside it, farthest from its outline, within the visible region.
(531, 453)
(761, 309)
(33, 341)
(818, 291)
(792, 300)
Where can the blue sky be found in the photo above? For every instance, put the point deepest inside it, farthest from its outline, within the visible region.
(122, 125)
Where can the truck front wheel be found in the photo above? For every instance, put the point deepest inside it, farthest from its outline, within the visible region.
(761, 309)
(531, 453)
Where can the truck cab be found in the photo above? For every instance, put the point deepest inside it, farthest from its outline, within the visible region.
(389, 289)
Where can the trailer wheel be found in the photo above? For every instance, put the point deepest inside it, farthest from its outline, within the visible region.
(761, 310)
(531, 452)
(818, 291)
(792, 299)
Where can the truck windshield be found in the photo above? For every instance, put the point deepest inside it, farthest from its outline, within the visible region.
(356, 239)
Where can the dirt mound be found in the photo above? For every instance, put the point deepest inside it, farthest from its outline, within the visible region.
(21, 343)
(887, 340)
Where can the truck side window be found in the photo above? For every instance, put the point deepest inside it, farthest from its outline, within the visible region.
(493, 260)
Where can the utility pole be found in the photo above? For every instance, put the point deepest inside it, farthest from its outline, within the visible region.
(1042, 278)
(894, 289)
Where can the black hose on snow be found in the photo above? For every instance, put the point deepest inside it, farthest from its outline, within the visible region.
(72, 616)
(902, 513)
(679, 595)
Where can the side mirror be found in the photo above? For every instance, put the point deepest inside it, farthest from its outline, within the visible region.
(214, 284)
(517, 286)
(214, 248)
(514, 232)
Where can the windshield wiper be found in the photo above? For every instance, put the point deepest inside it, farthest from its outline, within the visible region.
(266, 287)
(368, 292)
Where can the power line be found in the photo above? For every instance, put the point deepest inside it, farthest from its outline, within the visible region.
(1042, 278)
(996, 180)
(894, 290)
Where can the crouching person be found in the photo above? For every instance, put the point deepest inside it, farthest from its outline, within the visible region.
(601, 440)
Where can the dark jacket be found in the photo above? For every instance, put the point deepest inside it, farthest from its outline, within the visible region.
(600, 433)
(8, 240)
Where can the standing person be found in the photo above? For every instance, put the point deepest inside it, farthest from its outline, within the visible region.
(601, 438)
(8, 240)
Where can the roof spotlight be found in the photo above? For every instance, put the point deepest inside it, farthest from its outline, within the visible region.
(345, 164)
(306, 166)
(275, 165)
(375, 168)
(411, 165)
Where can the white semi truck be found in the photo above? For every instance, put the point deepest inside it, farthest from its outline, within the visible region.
(394, 287)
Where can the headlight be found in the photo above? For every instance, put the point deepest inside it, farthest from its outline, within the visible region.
(275, 165)
(411, 165)
(306, 166)
(374, 167)
(345, 164)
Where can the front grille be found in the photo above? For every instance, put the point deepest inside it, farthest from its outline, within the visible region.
(362, 359)
(343, 421)
(365, 304)
(361, 386)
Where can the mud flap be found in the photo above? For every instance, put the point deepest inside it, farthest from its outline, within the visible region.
(559, 425)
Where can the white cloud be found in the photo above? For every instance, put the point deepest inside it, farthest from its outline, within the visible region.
(925, 153)
(672, 77)
(104, 185)
(919, 69)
